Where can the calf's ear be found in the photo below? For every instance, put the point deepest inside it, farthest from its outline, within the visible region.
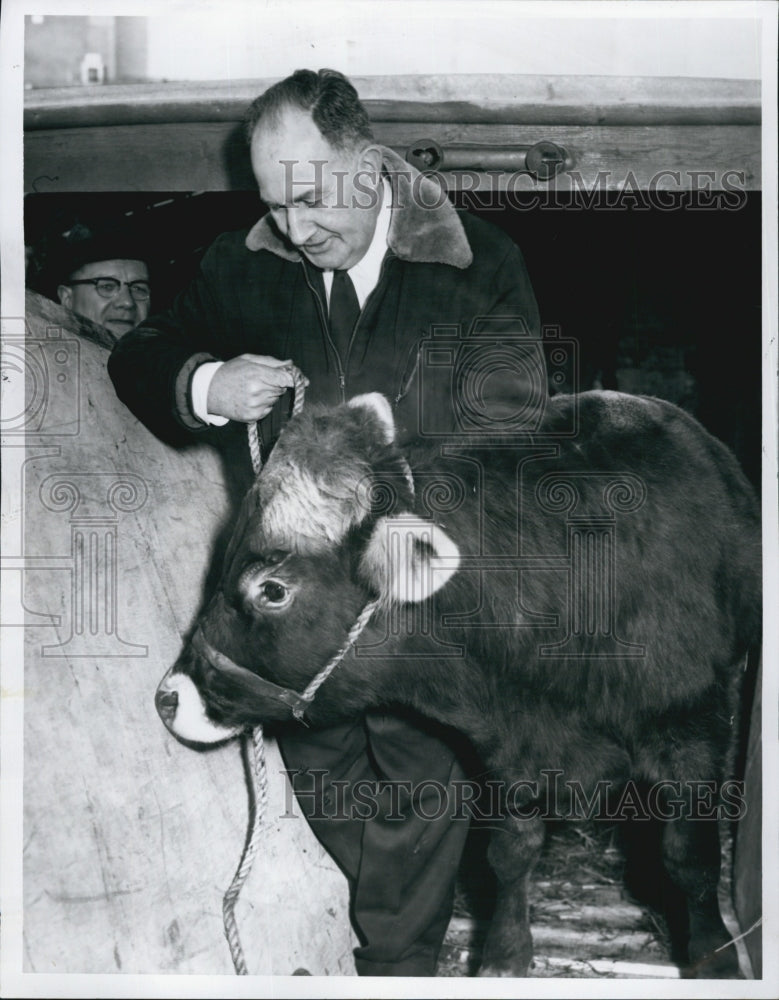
(379, 406)
(408, 558)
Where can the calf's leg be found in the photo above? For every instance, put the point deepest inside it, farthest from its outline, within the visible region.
(514, 848)
(691, 855)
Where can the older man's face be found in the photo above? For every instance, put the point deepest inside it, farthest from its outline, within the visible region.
(123, 310)
(324, 200)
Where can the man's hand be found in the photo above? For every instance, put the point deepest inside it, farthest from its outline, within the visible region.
(246, 387)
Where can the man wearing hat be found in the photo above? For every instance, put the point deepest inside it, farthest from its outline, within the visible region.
(104, 278)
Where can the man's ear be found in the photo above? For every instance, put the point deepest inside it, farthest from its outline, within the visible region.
(65, 295)
(370, 161)
(408, 559)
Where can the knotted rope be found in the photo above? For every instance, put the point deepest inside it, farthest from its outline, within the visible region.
(259, 777)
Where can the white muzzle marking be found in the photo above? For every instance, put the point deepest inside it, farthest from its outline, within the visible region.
(190, 722)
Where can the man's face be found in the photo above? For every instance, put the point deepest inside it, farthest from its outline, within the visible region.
(324, 200)
(118, 314)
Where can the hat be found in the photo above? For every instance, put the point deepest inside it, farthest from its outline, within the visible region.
(66, 252)
(82, 246)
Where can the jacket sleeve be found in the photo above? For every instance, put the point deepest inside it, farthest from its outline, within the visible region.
(500, 379)
(151, 367)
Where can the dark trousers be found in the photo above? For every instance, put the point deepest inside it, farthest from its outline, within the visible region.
(401, 862)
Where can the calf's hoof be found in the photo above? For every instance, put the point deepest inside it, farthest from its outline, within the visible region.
(508, 952)
(501, 972)
(714, 965)
(504, 966)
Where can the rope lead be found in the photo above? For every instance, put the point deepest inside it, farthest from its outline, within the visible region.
(259, 783)
(259, 786)
(257, 809)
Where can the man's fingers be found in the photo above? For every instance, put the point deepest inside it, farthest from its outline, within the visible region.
(262, 394)
(266, 359)
(250, 415)
(281, 377)
(276, 372)
(246, 387)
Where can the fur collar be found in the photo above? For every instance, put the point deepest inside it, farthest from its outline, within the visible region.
(430, 235)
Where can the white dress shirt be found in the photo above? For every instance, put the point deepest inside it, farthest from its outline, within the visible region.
(364, 275)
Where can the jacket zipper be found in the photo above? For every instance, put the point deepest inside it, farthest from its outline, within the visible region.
(326, 328)
(407, 380)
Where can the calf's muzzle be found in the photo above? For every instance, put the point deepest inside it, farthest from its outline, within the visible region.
(166, 703)
(181, 707)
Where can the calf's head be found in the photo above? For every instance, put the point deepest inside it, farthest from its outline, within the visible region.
(328, 526)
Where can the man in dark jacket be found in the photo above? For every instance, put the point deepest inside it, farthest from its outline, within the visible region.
(365, 277)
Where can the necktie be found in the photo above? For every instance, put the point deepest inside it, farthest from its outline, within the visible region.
(344, 312)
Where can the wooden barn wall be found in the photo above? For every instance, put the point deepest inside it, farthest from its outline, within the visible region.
(130, 838)
(186, 137)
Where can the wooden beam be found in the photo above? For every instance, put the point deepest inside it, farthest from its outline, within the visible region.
(212, 156)
(462, 99)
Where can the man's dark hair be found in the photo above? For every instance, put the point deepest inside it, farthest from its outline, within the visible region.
(331, 99)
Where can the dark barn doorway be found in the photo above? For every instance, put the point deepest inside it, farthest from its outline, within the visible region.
(662, 299)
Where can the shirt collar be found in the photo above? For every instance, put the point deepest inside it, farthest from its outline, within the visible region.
(365, 273)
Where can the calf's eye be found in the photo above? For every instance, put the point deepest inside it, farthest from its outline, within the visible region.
(273, 591)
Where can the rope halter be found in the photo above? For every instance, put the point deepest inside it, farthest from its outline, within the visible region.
(297, 703)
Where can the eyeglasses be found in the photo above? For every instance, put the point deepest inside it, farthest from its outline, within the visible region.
(108, 288)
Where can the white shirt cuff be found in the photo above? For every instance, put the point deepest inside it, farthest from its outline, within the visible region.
(201, 382)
